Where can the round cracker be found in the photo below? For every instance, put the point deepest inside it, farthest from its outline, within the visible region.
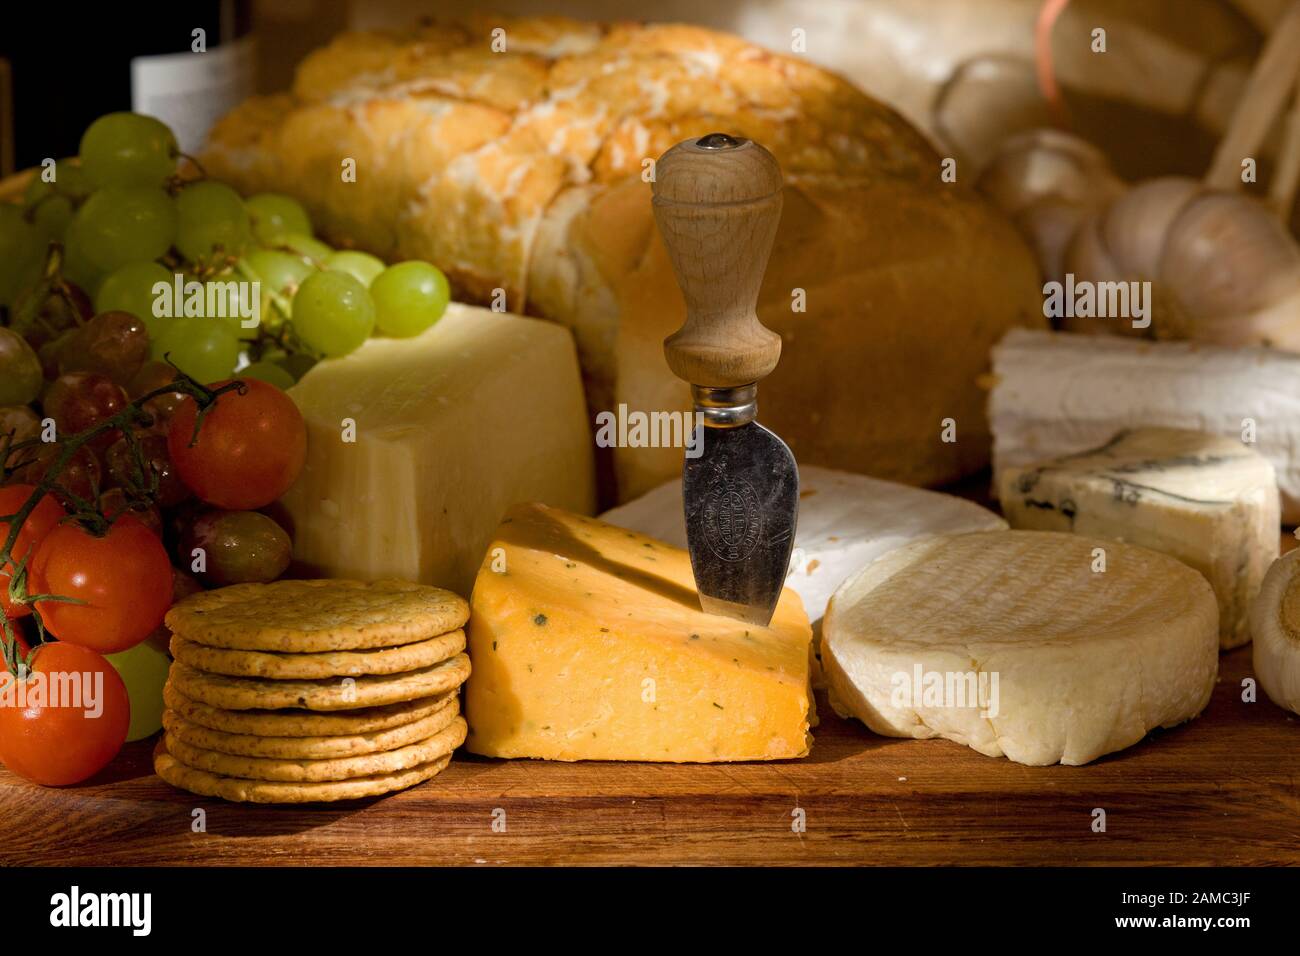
(319, 771)
(310, 748)
(339, 693)
(301, 617)
(303, 723)
(274, 665)
(260, 791)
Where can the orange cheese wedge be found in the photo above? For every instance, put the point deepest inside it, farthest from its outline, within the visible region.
(588, 643)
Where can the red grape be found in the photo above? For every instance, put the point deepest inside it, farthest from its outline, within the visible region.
(81, 400)
(115, 502)
(122, 469)
(114, 344)
(151, 377)
(239, 547)
(18, 423)
(81, 476)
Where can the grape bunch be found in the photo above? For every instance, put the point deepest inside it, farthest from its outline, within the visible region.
(128, 220)
(144, 441)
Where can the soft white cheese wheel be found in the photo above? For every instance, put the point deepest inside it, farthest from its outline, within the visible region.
(1275, 626)
(1039, 646)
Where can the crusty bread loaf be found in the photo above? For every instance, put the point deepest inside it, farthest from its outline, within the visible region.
(522, 171)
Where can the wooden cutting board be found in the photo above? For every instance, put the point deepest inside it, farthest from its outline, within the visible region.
(1223, 789)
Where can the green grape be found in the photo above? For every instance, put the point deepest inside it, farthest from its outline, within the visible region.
(236, 304)
(143, 669)
(129, 288)
(362, 266)
(125, 224)
(308, 247)
(53, 204)
(409, 297)
(275, 215)
(280, 274)
(211, 217)
(22, 253)
(52, 217)
(297, 364)
(21, 377)
(127, 149)
(70, 182)
(204, 349)
(77, 266)
(268, 372)
(333, 313)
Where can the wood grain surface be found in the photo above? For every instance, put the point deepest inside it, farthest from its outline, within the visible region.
(1223, 789)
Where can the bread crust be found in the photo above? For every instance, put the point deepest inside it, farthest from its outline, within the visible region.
(522, 172)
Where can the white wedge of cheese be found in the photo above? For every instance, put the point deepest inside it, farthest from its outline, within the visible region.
(1057, 393)
(845, 522)
(1035, 645)
(1275, 625)
(1210, 502)
(416, 447)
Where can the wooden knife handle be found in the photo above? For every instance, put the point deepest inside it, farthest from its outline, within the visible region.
(717, 201)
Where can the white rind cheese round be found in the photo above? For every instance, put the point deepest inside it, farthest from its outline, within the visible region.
(1275, 626)
(1017, 644)
(846, 521)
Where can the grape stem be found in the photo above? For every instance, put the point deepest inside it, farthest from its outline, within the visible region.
(131, 414)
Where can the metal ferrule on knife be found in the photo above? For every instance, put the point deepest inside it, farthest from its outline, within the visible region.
(726, 407)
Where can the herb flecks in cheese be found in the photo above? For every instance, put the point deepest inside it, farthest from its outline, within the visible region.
(626, 666)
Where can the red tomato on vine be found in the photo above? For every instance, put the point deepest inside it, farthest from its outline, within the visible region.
(250, 447)
(66, 720)
(44, 517)
(122, 581)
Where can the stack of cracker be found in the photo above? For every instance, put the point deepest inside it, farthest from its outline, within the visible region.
(306, 691)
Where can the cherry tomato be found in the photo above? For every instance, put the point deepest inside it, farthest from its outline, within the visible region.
(250, 447)
(123, 578)
(39, 523)
(56, 742)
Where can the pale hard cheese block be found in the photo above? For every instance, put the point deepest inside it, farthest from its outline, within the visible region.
(1016, 644)
(845, 521)
(589, 644)
(452, 427)
(1208, 501)
(1275, 624)
(1057, 393)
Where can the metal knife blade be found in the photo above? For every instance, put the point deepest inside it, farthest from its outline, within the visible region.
(717, 201)
(742, 501)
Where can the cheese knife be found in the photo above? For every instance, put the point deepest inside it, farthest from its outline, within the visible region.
(717, 202)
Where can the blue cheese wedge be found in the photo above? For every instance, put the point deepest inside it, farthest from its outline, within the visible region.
(1209, 501)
